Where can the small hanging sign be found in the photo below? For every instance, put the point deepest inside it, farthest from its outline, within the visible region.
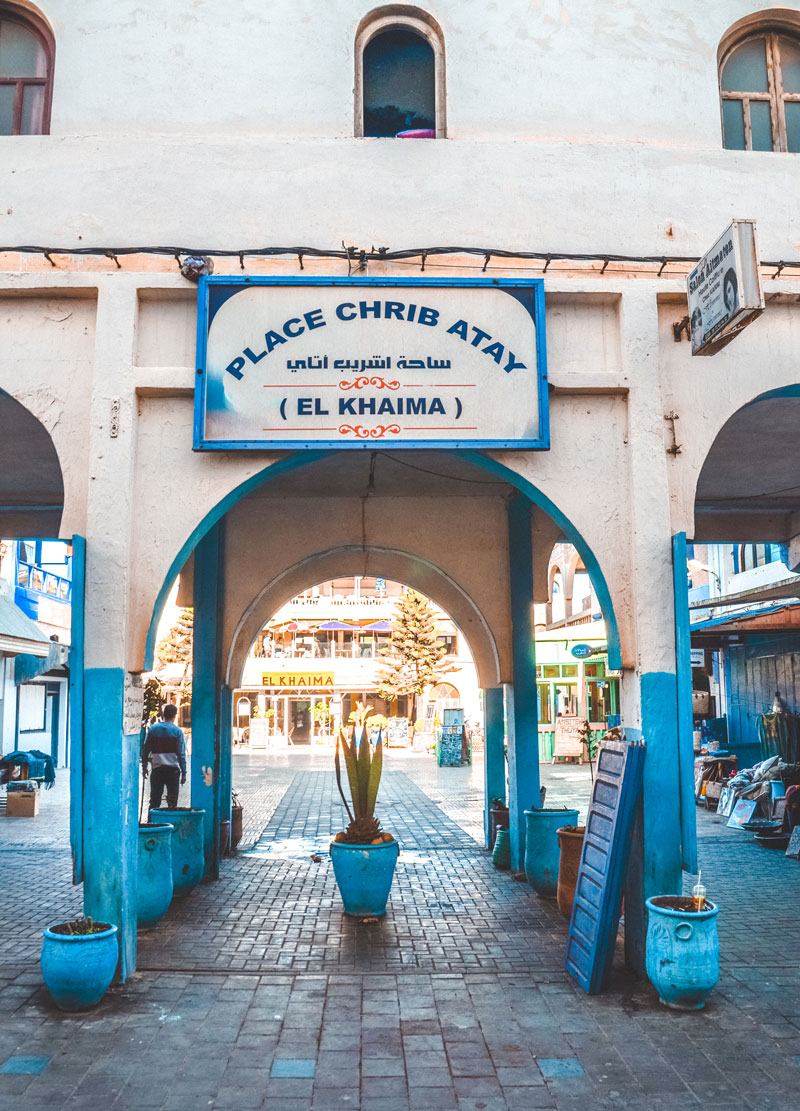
(724, 289)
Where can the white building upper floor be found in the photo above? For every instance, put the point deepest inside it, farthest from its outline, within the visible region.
(545, 106)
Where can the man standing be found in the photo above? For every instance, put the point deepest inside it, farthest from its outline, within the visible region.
(166, 751)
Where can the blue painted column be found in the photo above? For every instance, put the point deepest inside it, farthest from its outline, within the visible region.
(77, 649)
(206, 754)
(523, 722)
(494, 768)
(110, 817)
(225, 752)
(683, 670)
(654, 866)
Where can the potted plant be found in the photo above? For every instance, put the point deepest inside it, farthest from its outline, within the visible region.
(363, 855)
(237, 820)
(498, 819)
(542, 853)
(375, 726)
(322, 714)
(682, 948)
(570, 846)
(154, 886)
(187, 845)
(78, 961)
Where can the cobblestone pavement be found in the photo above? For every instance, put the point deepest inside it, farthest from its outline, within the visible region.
(260, 994)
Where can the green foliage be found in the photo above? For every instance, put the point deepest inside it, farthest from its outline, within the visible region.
(321, 713)
(415, 660)
(360, 714)
(590, 743)
(377, 721)
(363, 768)
(176, 647)
(152, 701)
(81, 927)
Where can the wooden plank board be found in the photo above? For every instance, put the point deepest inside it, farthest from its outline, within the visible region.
(598, 891)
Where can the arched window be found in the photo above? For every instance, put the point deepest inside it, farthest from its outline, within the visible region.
(760, 89)
(26, 72)
(399, 75)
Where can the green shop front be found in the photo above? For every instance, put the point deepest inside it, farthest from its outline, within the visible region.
(573, 679)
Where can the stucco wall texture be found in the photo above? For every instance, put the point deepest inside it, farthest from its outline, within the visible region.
(582, 126)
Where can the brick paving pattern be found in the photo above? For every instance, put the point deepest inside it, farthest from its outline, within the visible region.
(457, 1000)
(450, 909)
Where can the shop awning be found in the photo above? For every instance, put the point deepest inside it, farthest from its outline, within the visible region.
(18, 633)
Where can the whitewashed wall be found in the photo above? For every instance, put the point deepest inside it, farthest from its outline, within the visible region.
(572, 126)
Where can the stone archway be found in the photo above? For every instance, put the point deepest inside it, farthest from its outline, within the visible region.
(31, 482)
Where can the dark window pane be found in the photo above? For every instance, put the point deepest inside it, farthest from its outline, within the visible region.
(7, 94)
(746, 69)
(21, 53)
(790, 64)
(793, 125)
(399, 84)
(733, 124)
(760, 125)
(32, 105)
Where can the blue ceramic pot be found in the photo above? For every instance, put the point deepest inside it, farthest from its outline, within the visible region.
(501, 854)
(682, 953)
(154, 874)
(542, 853)
(78, 968)
(364, 874)
(188, 857)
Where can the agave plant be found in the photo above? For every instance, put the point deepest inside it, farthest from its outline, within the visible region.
(364, 769)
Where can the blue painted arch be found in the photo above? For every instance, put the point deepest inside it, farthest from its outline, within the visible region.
(303, 459)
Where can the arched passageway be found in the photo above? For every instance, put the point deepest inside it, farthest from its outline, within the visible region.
(31, 483)
(460, 526)
(40, 689)
(749, 485)
(742, 622)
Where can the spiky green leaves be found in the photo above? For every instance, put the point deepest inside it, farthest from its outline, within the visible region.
(363, 767)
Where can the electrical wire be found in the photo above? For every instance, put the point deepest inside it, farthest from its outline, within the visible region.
(356, 255)
(752, 497)
(440, 474)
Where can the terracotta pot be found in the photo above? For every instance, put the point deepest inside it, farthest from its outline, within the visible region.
(498, 819)
(570, 842)
(236, 826)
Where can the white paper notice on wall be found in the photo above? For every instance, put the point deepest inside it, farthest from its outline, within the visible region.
(337, 362)
(724, 289)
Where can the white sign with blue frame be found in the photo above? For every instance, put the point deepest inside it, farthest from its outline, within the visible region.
(348, 362)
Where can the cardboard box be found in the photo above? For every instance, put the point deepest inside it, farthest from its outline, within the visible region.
(22, 804)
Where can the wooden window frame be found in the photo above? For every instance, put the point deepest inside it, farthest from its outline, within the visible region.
(774, 96)
(401, 17)
(32, 22)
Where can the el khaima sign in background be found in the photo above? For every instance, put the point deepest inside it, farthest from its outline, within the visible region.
(324, 362)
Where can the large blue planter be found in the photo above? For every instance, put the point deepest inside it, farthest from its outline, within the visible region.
(188, 857)
(364, 874)
(682, 954)
(154, 874)
(542, 852)
(78, 968)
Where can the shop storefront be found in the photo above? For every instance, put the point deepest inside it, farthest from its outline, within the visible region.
(573, 679)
